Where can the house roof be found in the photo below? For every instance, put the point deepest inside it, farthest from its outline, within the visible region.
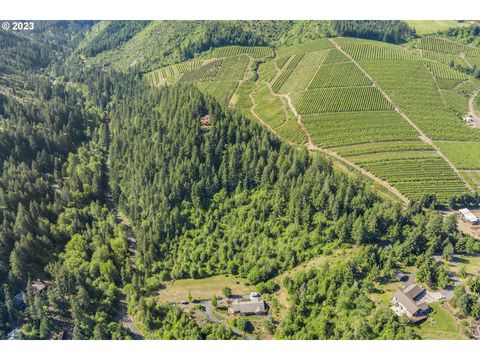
(422, 305)
(38, 286)
(413, 290)
(468, 215)
(406, 302)
(253, 306)
(19, 297)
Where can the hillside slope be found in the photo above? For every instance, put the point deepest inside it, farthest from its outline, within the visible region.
(345, 96)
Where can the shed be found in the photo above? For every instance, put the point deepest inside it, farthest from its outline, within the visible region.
(467, 215)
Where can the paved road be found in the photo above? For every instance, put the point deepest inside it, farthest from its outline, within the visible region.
(126, 320)
(209, 311)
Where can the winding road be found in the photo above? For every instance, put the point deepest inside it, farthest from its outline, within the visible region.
(471, 109)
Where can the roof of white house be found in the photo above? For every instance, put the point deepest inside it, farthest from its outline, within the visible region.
(406, 297)
(468, 215)
(406, 302)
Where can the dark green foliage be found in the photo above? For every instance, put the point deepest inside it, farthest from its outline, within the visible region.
(20, 54)
(114, 35)
(431, 272)
(225, 199)
(214, 201)
(243, 324)
(36, 138)
(167, 322)
(24, 53)
(268, 287)
(392, 31)
(332, 303)
(167, 42)
(227, 292)
(467, 35)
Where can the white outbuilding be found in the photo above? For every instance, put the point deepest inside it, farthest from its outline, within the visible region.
(467, 215)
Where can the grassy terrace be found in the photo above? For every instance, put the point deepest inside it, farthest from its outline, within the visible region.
(432, 26)
(440, 324)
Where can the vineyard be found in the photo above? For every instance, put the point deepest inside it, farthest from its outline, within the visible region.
(233, 68)
(473, 178)
(382, 147)
(370, 52)
(305, 47)
(216, 77)
(299, 78)
(413, 89)
(335, 56)
(256, 52)
(445, 72)
(438, 49)
(342, 99)
(204, 73)
(343, 111)
(281, 61)
(172, 72)
(295, 60)
(415, 176)
(277, 85)
(221, 91)
(338, 75)
(443, 58)
(446, 46)
(353, 128)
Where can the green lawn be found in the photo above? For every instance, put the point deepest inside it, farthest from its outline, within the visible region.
(440, 325)
(433, 26)
(178, 290)
(471, 264)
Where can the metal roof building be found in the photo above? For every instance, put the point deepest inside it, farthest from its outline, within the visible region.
(467, 215)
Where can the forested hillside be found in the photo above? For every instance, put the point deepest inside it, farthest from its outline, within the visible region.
(113, 190)
(125, 44)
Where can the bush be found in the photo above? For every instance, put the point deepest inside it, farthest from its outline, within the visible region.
(268, 287)
(244, 324)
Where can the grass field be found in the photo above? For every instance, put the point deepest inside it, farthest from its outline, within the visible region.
(440, 324)
(178, 290)
(432, 26)
(274, 111)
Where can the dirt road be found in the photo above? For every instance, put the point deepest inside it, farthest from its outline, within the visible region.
(471, 109)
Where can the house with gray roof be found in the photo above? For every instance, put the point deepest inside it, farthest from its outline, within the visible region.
(254, 306)
(408, 301)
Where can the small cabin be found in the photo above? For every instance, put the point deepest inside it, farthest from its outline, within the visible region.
(205, 121)
(38, 286)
